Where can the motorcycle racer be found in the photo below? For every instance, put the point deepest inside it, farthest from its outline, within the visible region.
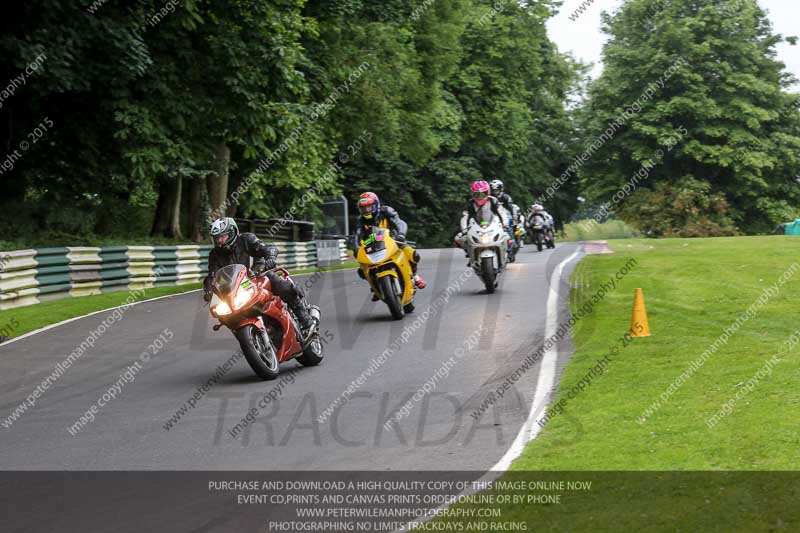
(498, 191)
(538, 209)
(232, 247)
(373, 214)
(549, 222)
(480, 199)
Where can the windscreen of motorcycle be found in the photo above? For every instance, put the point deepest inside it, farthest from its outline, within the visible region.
(226, 280)
(484, 215)
(375, 246)
(374, 242)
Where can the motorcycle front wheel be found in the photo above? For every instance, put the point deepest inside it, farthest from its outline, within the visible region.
(488, 274)
(391, 297)
(313, 354)
(259, 351)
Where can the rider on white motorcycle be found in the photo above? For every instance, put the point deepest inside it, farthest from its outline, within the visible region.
(537, 209)
(480, 197)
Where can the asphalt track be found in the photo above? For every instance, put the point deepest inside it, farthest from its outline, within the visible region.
(439, 433)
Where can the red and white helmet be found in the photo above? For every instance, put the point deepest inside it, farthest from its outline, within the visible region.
(369, 205)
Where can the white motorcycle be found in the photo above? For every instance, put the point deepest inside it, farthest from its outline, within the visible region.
(487, 245)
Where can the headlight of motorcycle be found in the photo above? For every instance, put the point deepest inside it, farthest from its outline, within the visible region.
(486, 238)
(242, 297)
(222, 309)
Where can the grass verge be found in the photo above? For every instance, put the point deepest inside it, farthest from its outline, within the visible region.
(649, 409)
(591, 230)
(21, 320)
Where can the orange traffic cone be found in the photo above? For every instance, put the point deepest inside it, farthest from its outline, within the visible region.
(639, 325)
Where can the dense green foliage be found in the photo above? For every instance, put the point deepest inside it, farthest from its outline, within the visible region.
(161, 111)
(145, 118)
(701, 83)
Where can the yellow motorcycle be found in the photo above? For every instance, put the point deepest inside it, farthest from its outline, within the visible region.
(384, 265)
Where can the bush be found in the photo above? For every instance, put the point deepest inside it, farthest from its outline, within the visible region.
(591, 230)
(686, 208)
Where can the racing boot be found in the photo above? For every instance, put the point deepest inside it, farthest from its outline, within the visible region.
(300, 310)
(418, 281)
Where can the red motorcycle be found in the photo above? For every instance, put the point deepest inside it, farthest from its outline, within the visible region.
(267, 331)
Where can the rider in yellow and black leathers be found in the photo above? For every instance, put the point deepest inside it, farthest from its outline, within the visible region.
(372, 214)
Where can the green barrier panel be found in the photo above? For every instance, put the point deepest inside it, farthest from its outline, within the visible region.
(30, 276)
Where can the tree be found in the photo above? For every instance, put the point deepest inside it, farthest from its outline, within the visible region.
(707, 67)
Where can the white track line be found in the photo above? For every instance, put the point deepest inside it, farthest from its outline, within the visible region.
(547, 378)
(547, 373)
(73, 319)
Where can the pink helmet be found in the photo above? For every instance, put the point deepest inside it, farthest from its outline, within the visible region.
(480, 192)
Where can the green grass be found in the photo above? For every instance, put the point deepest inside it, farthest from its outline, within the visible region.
(25, 319)
(590, 230)
(694, 289)
(21, 320)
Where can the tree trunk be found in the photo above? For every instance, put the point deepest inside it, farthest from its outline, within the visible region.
(161, 217)
(197, 221)
(167, 217)
(234, 182)
(217, 182)
(174, 229)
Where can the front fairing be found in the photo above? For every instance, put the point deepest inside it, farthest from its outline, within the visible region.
(378, 247)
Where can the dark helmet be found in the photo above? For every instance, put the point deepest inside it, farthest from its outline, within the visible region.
(224, 232)
(368, 205)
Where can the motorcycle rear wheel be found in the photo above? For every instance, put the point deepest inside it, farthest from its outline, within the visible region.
(488, 274)
(391, 297)
(259, 351)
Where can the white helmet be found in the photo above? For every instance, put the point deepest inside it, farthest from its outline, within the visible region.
(224, 232)
(496, 186)
(537, 207)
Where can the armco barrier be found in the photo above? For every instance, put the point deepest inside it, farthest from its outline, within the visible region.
(32, 276)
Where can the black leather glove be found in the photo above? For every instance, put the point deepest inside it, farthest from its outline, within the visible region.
(207, 295)
(270, 264)
(400, 238)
